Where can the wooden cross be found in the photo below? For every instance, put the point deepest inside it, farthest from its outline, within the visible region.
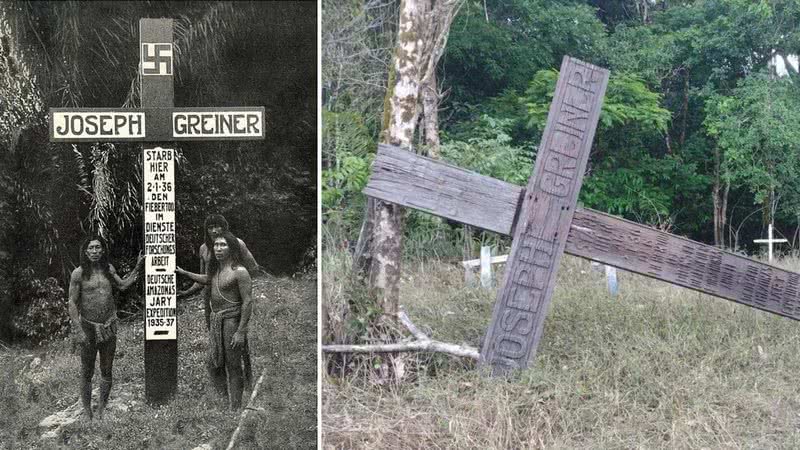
(157, 121)
(544, 222)
(485, 264)
(769, 241)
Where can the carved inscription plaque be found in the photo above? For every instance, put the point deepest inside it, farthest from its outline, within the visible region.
(544, 221)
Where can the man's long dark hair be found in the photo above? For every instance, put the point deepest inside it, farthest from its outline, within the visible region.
(213, 220)
(235, 253)
(103, 263)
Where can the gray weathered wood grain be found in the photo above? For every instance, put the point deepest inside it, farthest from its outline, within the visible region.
(617, 242)
(678, 260)
(548, 205)
(453, 192)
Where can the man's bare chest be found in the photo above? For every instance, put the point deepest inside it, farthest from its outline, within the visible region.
(226, 280)
(224, 289)
(97, 283)
(97, 303)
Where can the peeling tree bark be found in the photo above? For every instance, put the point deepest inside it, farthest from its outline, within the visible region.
(430, 116)
(362, 258)
(384, 245)
(438, 16)
(422, 36)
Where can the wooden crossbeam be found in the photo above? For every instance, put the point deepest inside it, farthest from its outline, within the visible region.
(410, 180)
(407, 179)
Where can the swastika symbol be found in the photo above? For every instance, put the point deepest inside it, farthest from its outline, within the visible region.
(156, 59)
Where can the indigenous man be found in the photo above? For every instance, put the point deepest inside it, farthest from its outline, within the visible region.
(214, 226)
(230, 309)
(94, 316)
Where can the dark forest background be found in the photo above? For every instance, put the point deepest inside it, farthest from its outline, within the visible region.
(85, 54)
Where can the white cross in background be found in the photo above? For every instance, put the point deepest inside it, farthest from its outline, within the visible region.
(769, 241)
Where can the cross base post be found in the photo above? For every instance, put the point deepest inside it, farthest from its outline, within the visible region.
(160, 371)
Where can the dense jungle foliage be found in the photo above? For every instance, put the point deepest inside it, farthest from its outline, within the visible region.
(698, 134)
(85, 54)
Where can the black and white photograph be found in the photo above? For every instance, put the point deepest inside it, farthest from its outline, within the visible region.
(158, 224)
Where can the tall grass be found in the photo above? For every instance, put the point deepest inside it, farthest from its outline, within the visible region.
(36, 383)
(655, 367)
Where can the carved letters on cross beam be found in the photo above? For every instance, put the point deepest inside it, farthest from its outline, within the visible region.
(545, 218)
(680, 261)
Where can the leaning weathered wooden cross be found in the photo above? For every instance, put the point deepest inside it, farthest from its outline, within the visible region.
(157, 121)
(544, 223)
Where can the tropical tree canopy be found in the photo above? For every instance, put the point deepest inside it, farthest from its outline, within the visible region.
(697, 134)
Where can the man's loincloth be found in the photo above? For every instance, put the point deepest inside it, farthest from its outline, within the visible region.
(217, 344)
(103, 331)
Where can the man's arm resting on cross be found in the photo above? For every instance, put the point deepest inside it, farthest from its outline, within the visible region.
(203, 279)
(132, 276)
(246, 293)
(196, 287)
(193, 289)
(74, 297)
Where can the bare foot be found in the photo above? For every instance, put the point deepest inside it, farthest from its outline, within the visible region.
(98, 413)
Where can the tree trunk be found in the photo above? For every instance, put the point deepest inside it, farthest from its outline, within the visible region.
(642, 10)
(720, 200)
(430, 115)
(362, 256)
(379, 246)
(422, 35)
(685, 114)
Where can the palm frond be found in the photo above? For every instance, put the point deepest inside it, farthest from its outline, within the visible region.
(102, 189)
(28, 204)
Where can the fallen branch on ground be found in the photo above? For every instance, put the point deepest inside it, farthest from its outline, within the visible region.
(422, 344)
(246, 410)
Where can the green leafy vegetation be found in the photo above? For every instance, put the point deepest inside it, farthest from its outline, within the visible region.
(45, 317)
(694, 115)
(757, 127)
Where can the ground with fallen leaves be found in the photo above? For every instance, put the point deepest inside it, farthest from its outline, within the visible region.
(37, 382)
